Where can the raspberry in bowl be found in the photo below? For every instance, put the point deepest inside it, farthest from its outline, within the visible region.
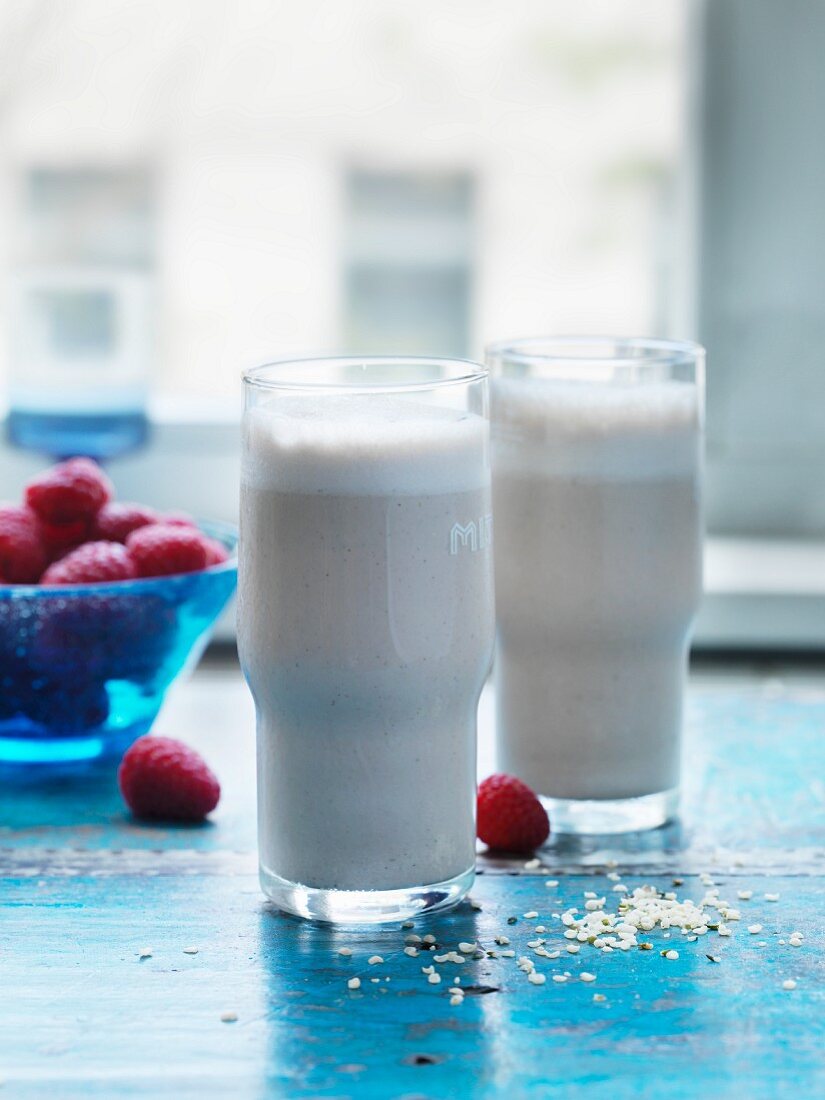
(93, 632)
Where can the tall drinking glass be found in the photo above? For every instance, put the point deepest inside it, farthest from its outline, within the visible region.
(597, 448)
(365, 628)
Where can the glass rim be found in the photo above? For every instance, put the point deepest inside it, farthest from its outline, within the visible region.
(605, 351)
(467, 371)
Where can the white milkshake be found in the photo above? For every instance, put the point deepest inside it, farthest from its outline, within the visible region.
(365, 632)
(596, 489)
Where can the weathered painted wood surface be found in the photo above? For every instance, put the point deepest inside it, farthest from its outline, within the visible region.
(83, 891)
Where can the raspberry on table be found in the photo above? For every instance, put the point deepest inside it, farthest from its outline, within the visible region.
(164, 779)
(90, 563)
(115, 522)
(22, 555)
(71, 490)
(162, 550)
(510, 816)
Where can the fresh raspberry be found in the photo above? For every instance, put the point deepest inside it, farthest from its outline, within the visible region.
(510, 816)
(22, 556)
(161, 550)
(178, 519)
(163, 778)
(59, 538)
(72, 490)
(115, 522)
(216, 552)
(92, 562)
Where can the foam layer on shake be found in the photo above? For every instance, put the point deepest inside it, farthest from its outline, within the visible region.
(605, 430)
(363, 445)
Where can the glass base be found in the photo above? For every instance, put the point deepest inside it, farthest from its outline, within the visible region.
(620, 815)
(363, 906)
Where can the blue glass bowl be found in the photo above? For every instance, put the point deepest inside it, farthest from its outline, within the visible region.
(84, 668)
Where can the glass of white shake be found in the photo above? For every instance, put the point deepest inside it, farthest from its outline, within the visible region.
(597, 456)
(365, 628)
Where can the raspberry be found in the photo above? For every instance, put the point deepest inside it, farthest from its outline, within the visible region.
(115, 522)
(59, 538)
(216, 552)
(510, 816)
(161, 550)
(177, 519)
(163, 778)
(72, 490)
(92, 562)
(22, 556)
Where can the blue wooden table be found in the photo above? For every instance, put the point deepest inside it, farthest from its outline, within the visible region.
(103, 995)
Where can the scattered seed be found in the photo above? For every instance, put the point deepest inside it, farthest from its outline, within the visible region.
(587, 977)
(535, 978)
(344, 950)
(789, 983)
(559, 978)
(599, 997)
(531, 915)
(229, 1017)
(754, 929)
(771, 897)
(551, 882)
(354, 983)
(456, 1000)
(714, 958)
(671, 954)
(144, 953)
(467, 948)
(532, 865)
(373, 960)
(190, 950)
(411, 951)
(433, 979)
(744, 895)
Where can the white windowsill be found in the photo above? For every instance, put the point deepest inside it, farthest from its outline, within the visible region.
(759, 593)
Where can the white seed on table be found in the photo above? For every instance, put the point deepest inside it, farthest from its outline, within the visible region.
(145, 953)
(531, 915)
(599, 997)
(354, 983)
(456, 999)
(671, 954)
(346, 951)
(573, 948)
(559, 978)
(535, 978)
(190, 950)
(744, 895)
(789, 983)
(411, 951)
(433, 979)
(754, 929)
(771, 897)
(551, 882)
(532, 865)
(587, 977)
(467, 948)
(374, 960)
(229, 1017)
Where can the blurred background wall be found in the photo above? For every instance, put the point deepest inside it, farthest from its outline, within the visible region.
(188, 187)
